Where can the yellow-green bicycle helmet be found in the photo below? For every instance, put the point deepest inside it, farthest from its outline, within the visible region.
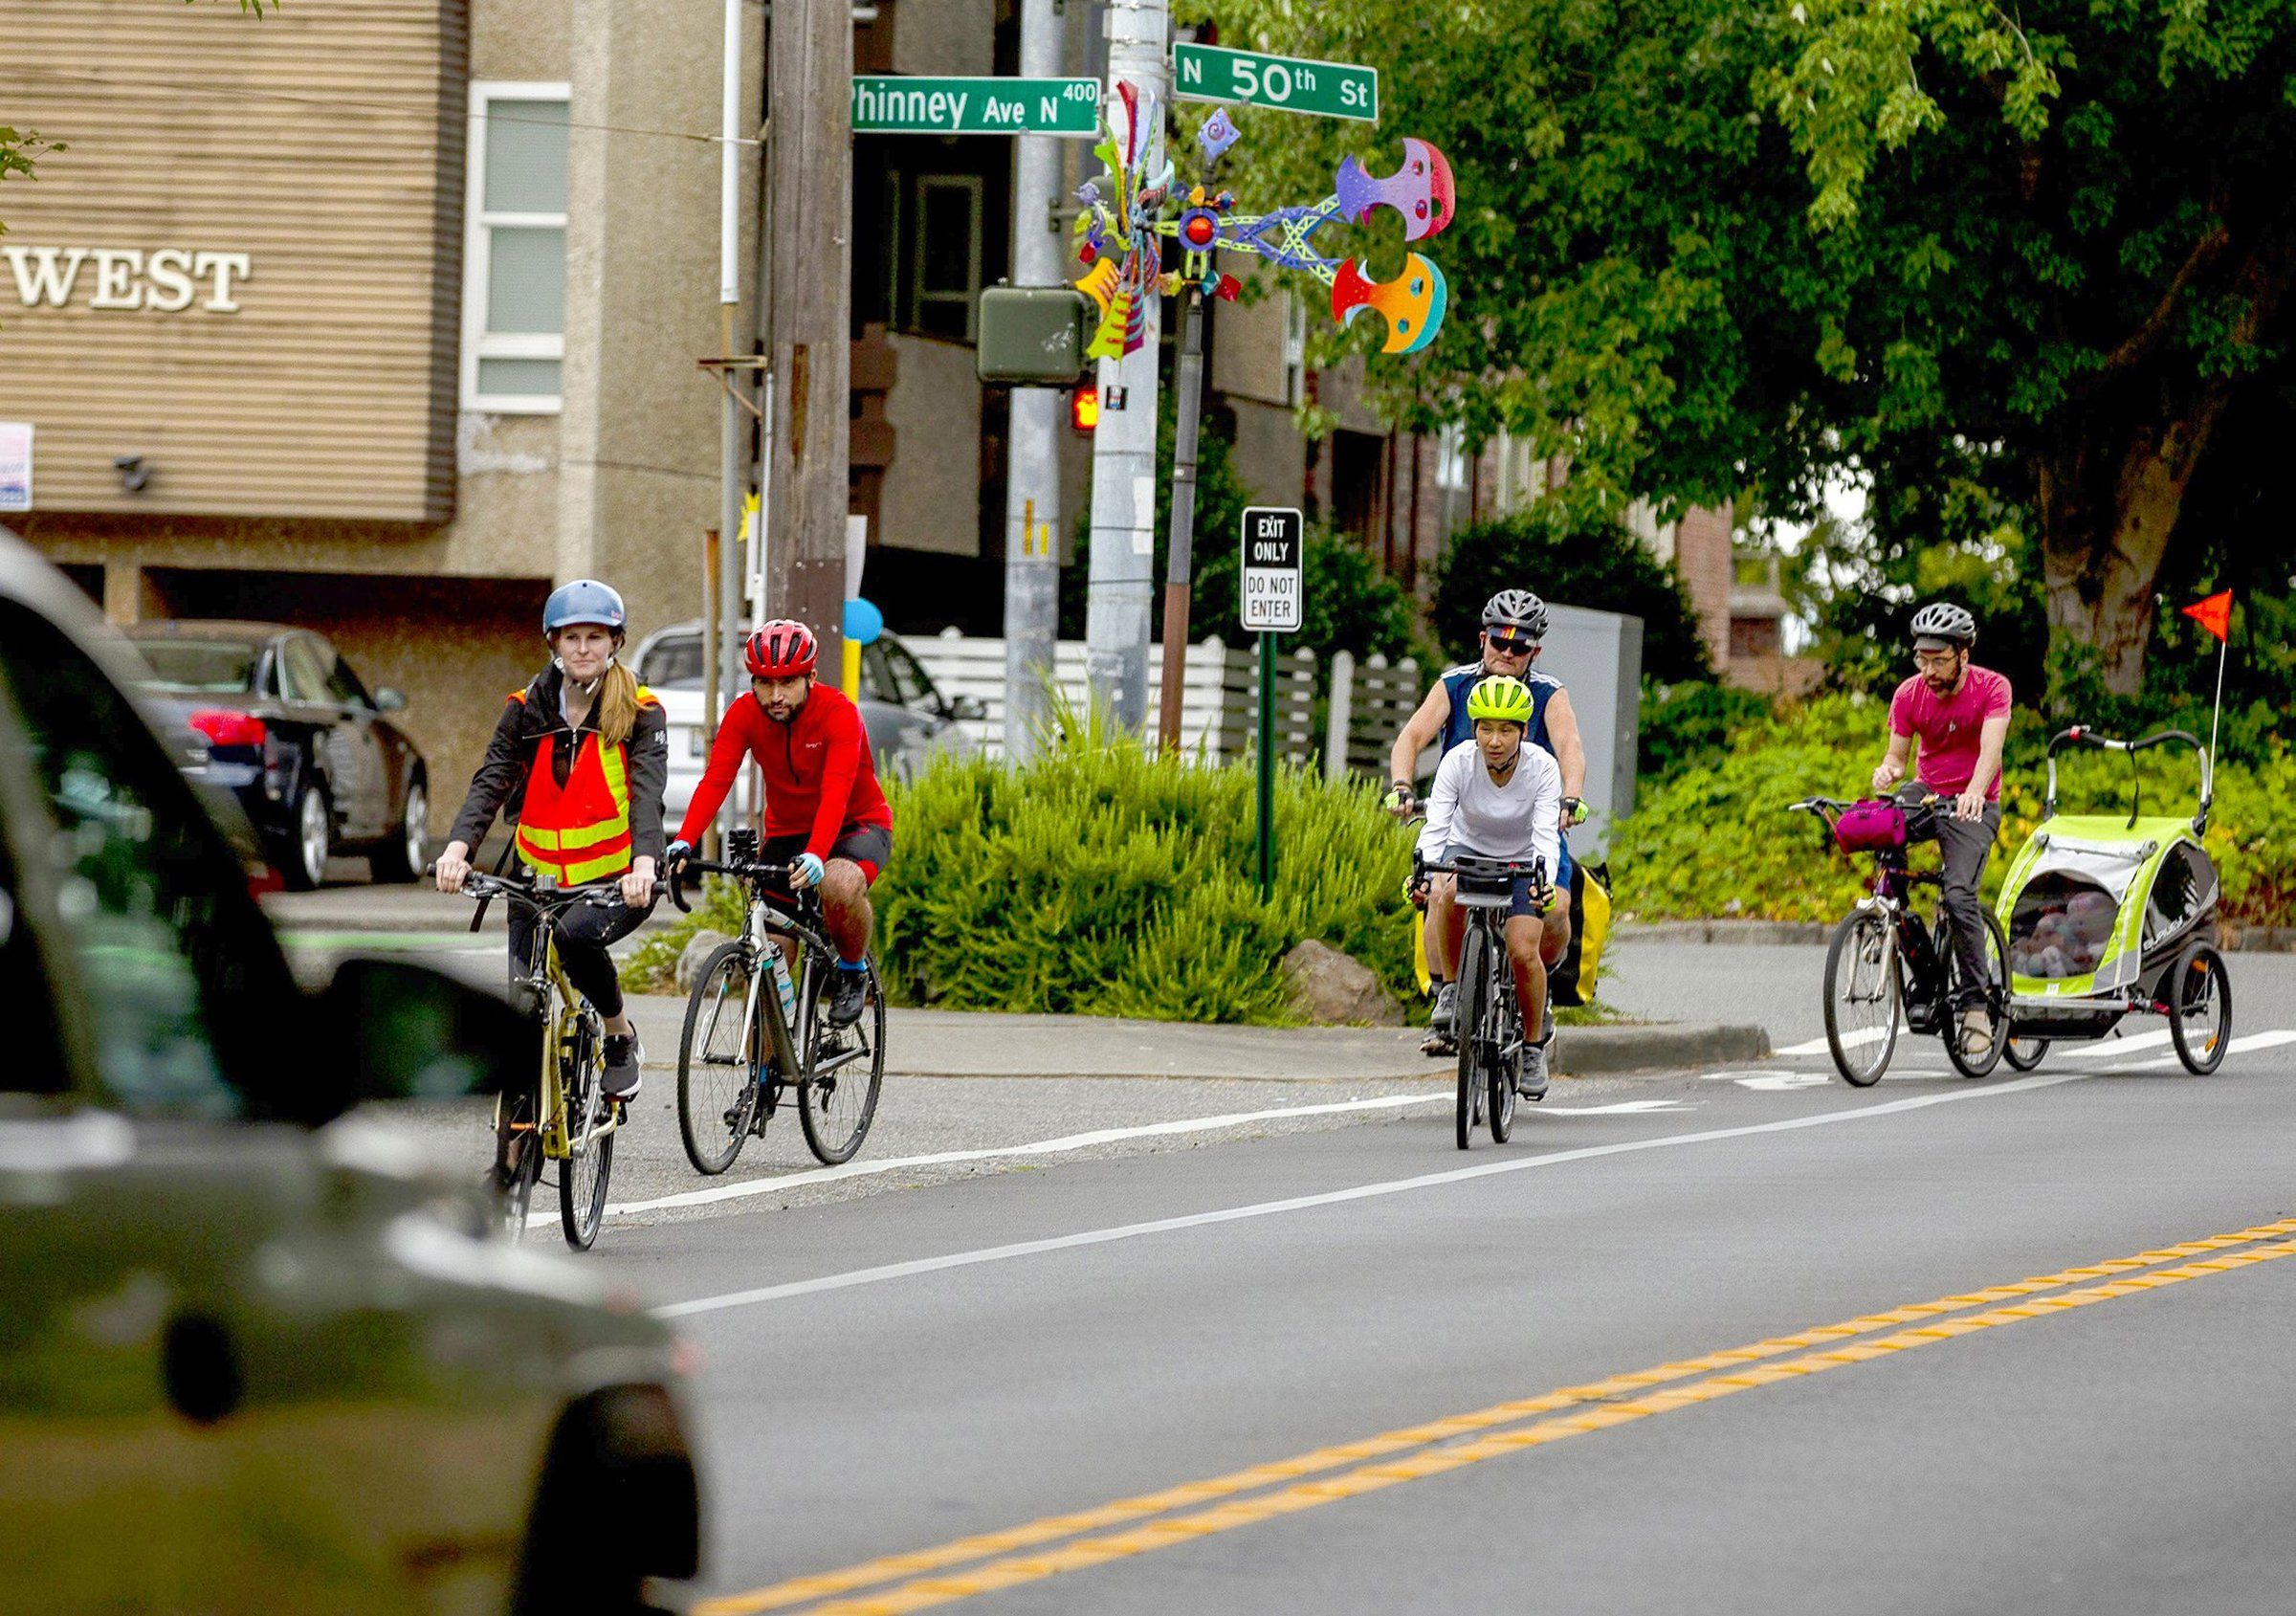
(1505, 699)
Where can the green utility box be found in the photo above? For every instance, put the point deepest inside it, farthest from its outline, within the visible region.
(1032, 336)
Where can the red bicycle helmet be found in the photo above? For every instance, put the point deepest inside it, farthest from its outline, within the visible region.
(782, 649)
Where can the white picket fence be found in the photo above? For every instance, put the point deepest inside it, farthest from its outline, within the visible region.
(962, 665)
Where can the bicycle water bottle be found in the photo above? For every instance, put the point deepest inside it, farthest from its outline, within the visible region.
(783, 988)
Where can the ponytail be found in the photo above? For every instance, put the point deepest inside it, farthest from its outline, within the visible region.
(617, 705)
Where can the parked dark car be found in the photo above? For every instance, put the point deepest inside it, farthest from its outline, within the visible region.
(294, 736)
(259, 1351)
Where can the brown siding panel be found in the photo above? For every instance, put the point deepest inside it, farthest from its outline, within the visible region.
(325, 141)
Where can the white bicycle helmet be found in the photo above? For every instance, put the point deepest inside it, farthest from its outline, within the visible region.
(1943, 620)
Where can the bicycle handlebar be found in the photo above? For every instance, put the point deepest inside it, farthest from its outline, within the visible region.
(752, 872)
(478, 885)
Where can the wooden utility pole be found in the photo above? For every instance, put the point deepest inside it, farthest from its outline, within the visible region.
(809, 292)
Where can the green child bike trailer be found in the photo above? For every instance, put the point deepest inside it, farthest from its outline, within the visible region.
(2111, 915)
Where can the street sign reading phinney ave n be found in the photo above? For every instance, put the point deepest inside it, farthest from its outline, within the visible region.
(889, 105)
(1274, 546)
(1213, 73)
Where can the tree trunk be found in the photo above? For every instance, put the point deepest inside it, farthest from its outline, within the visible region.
(2108, 504)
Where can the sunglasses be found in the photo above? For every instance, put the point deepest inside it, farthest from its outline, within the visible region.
(1510, 647)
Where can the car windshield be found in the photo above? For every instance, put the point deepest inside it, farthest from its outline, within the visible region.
(200, 667)
(675, 664)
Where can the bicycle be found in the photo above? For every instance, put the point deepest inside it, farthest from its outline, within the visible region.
(1885, 968)
(566, 1117)
(1490, 1021)
(748, 1018)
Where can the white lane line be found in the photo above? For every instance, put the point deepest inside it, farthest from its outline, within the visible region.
(1334, 1197)
(1812, 1047)
(1042, 1147)
(2110, 1049)
(2237, 1046)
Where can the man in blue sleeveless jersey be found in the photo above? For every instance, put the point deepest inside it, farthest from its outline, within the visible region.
(1513, 623)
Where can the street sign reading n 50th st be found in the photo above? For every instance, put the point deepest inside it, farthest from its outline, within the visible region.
(1213, 73)
(1274, 556)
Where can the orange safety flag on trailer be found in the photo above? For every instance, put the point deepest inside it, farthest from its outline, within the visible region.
(2214, 614)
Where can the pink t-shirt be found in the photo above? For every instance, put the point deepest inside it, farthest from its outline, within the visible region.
(1951, 728)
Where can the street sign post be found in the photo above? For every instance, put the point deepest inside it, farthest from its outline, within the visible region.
(892, 104)
(1213, 73)
(1274, 556)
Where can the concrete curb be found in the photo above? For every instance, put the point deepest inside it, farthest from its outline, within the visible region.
(1601, 1052)
(2237, 939)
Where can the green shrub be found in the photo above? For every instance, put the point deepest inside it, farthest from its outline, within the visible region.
(1099, 880)
(1688, 724)
(1715, 839)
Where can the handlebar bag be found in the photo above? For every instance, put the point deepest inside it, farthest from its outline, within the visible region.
(1870, 827)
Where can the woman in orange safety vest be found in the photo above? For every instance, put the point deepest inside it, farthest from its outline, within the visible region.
(584, 751)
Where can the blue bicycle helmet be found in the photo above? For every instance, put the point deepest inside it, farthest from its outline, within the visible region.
(586, 600)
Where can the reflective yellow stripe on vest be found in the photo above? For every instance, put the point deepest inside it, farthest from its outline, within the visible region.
(561, 851)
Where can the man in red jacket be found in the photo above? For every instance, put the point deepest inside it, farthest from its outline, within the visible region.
(825, 815)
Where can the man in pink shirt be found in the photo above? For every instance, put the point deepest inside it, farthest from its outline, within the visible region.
(1960, 713)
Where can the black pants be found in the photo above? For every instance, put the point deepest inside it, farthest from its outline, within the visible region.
(582, 935)
(1965, 844)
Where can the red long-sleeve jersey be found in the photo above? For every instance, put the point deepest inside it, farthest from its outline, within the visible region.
(819, 775)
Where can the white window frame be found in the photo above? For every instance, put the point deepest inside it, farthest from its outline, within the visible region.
(974, 188)
(478, 252)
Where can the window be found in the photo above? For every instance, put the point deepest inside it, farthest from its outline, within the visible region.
(343, 685)
(305, 670)
(513, 273)
(944, 255)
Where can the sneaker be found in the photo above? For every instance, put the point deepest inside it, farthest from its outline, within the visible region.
(624, 1056)
(1531, 1073)
(1442, 1021)
(851, 995)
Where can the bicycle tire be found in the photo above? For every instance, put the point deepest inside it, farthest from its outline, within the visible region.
(2189, 980)
(1855, 940)
(833, 1120)
(2024, 1054)
(1965, 1063)
(1469, 1033)
(582, 1176)
(714, 1119)
(515, 1141)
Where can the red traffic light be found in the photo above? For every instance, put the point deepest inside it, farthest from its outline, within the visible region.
(1084, 406)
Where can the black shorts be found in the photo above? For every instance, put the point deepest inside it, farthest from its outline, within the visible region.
(870, 846)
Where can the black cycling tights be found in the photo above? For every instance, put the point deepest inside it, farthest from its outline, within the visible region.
(582, 935)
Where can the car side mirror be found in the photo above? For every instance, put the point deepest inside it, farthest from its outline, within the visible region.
(389, 700)
(967, 707)
(418, 1033)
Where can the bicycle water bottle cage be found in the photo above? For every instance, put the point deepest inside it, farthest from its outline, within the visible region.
(1871, 827)
(742, 845)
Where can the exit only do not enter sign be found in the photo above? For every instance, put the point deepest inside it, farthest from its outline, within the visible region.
(1274, 555)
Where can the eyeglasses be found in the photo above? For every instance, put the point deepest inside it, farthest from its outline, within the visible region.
(1934, 658)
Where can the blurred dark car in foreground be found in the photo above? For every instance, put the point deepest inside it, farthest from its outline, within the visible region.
(258, 1352)
(292, 734)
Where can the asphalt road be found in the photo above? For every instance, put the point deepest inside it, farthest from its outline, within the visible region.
(1719, 1340)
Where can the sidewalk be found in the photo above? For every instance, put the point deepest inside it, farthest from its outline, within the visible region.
(968, 1044)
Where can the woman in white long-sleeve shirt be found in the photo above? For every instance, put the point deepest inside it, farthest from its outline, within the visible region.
(1496, 798)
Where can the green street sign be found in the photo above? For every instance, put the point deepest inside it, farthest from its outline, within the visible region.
(1213, 73)
(892, 104)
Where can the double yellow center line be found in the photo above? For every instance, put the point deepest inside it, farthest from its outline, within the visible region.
(991, 1560)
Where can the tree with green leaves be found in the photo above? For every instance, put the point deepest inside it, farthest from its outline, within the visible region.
(2026, 272)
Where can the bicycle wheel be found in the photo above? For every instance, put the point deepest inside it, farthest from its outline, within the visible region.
(1981, 1063)
(518, 1160)
(2199, 995)
(1506, 1029)
(717, 1062)
(1472, 970)
(845, 1066)
(1861, 997)
(582, 1177)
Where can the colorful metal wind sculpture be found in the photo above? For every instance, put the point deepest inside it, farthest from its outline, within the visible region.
(1121, 232)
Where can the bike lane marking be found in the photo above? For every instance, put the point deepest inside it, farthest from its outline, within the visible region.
(1438, 1446)
(1327, 1198)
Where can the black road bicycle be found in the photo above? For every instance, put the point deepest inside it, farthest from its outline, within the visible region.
(746, 1046)
(1490, 1021)
(565, 1116)
(1890, 966)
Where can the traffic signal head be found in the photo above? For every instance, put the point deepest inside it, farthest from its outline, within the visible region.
(1084, 405)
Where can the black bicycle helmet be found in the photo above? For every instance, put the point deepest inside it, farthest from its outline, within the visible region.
(1943, 620)
(1519, 609)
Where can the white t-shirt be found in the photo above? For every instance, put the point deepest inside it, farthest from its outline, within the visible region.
(1468, 811)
